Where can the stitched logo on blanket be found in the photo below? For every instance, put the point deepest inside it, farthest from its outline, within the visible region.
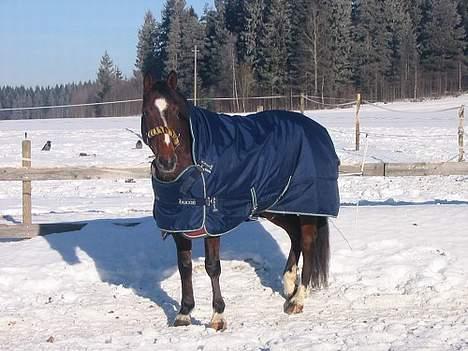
(278, 161)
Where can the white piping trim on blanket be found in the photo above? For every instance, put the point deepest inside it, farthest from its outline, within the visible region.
(301, 213)
(253, 194)
(282, 193)
(194, 159)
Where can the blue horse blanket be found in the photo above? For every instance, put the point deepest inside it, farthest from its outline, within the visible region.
(275, 161)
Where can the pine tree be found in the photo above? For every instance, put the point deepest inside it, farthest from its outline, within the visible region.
(171, 34)
(401, 43)
(446, 34)
(272, 66)
(252, 31)
(192, 32)
(298, 57)
(214, 67)
(371, 54)
(105, 78)
(335, 48)
(463, 11)
(118, 75)
(148, 57)
(446, 42)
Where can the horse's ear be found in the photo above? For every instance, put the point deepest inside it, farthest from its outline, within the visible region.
(172, 80)
(147, 82)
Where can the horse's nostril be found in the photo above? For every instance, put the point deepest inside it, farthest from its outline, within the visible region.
(167, 164)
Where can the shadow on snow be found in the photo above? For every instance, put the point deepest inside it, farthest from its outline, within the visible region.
(132, 253)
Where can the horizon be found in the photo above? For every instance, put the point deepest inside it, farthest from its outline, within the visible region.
(71, 38)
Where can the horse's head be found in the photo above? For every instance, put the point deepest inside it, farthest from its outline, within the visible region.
(164, 125)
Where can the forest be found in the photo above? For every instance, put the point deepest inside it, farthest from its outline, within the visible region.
(330, 49)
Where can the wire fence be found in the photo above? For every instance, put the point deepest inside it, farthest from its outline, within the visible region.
(132, 107)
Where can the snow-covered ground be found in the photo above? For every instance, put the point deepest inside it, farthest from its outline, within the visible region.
(400, 284)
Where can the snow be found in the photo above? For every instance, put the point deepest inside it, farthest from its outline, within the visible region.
(400, 284)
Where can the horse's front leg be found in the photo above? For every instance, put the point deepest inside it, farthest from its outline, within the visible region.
(184, 262)
(213, 268)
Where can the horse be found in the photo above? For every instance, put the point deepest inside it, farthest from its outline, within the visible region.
(185, 207)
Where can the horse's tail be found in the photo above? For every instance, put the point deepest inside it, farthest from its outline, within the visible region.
(321, 255)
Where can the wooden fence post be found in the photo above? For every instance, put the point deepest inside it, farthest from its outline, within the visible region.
(461, 132)
(26, 162)
(302, 103)
(358, 122)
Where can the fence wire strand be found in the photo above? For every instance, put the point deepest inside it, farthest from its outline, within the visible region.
(350, 103)
(410, 112)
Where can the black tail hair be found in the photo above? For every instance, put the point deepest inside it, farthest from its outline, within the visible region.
(321, 255)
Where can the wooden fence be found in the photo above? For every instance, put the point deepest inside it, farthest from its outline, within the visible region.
(26, 175)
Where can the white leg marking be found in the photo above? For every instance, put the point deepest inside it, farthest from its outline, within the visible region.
(299, 296)
(218, 319)
(183, 318)
(289, 281)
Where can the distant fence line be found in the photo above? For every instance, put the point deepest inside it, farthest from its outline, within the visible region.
(131, 107)
(300, 102)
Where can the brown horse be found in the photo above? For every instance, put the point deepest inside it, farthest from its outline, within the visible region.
(165, 128)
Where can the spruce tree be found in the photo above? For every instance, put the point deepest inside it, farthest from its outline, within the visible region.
(298, 57)
(215, 68)
(371, 54)
(336, 46)
(272, 66)
(171, 34)
(148, 57)
(192, 32)
(105, 78)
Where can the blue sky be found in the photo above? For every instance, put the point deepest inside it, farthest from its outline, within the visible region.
(45, 42)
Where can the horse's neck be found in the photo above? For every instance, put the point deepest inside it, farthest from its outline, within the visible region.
(184, 152)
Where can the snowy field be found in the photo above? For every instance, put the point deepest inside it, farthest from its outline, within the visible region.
(400, 284)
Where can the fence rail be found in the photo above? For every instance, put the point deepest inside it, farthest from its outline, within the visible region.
(24, 174)
(378, 169)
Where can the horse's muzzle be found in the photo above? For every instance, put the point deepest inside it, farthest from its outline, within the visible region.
(166, 165)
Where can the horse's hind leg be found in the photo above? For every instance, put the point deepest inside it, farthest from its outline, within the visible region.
(184, 262)
(291, 224)
(213, 268)
(316, 252)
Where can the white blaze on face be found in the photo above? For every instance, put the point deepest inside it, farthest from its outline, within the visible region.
(161, 105)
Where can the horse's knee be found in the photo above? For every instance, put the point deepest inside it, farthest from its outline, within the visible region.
(213, 268)
(185, 261)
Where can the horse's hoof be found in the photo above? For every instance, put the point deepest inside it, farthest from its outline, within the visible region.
(182, 320)
(291, 307)
(218, 322)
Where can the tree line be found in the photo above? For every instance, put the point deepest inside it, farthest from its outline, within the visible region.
(110, 85)
(385, 49)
